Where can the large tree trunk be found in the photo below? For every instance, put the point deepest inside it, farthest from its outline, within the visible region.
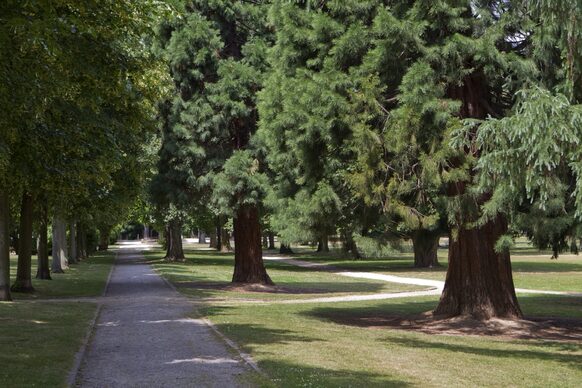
(23, 281)
(104, 233)
(73, 243)
(349, 244)
(60, 261)
(323, 244)
(43, 270)
(175, 250)
(479, 280)
(248, 254)
(425, 244)
(213, 240)
(4, 248)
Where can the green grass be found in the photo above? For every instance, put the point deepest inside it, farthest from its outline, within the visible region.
(531, 269)
(312, 345)
(205, 274)
(39, 341)
(85, 279)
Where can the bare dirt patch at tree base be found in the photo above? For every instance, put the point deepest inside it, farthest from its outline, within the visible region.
(246, 288)
(552, 329)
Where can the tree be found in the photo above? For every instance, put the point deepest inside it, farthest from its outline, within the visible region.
(216, 57)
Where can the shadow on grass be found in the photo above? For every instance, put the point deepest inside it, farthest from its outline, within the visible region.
(286, 374)
(554, 350)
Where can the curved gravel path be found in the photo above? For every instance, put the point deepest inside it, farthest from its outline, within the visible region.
(143, 337)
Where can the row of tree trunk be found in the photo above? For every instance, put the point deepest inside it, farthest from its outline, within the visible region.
(62, 256)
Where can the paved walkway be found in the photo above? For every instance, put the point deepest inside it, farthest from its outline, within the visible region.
(144, 338)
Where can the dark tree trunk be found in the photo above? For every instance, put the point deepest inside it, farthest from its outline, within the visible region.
(225, 240)
(104, 233)
(425, 244)
(265, 241)
(4, 248)
(285, 249)
(213, 240)
(479, 280)
(323, 244)
(175, 251)
(248, 254)
(23, 281)
(59, 262)
(201, 237)
(81, 249)
(43, 270)
(271, 241)
(350, 246)
(73, 243)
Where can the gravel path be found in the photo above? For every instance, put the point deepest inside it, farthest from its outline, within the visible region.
(144, 338)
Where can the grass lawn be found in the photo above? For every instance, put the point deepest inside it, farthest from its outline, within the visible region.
(39, 339)
(205, 274)
(329, 344)
(531, 269)
(85, 279)
(312, 346)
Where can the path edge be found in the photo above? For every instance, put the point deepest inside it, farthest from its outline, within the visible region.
(247, 358)
(80, 355)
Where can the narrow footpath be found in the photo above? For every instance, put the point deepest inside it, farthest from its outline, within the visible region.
(144, 337)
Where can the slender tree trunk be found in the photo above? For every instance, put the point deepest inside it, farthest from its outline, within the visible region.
(285, 249)
(175, 250)
(73, 243)
(81, 251)
(225, 240)
(23, 281)
(271, 241)
(479, 280)
(213, 240)
(4, 248)
(425, 244)
(265, 240)
(323, 244)
(201, 237)
(248, 254)
(60, 261)
(43, 270)
(104, 233)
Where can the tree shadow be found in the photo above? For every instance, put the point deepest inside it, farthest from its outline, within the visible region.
(554, 353)
(288, 374)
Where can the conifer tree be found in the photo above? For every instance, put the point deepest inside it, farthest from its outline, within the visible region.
(216, 55)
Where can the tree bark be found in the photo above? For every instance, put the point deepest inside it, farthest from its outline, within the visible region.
(60, 261)
(23, 281)
(285, 249)
(4, 248)
(425, 244)
(213, 240)
(349, 245)
(225, 240)
(248, 254)
(73, 243)
(175, 251)
(104, 233)
(201, 237)
(81, 250)
(271, 241)
(323, 244)
(479, 280)
(43, 270)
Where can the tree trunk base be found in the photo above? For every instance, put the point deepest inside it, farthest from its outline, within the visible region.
(286, 250)
(43, 275)
(22, 286)
(57, 271)
(5, 295)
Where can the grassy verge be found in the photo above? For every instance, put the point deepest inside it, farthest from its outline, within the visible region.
(314, 345)
(207, 275)
(85, 279)
(39, 341)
